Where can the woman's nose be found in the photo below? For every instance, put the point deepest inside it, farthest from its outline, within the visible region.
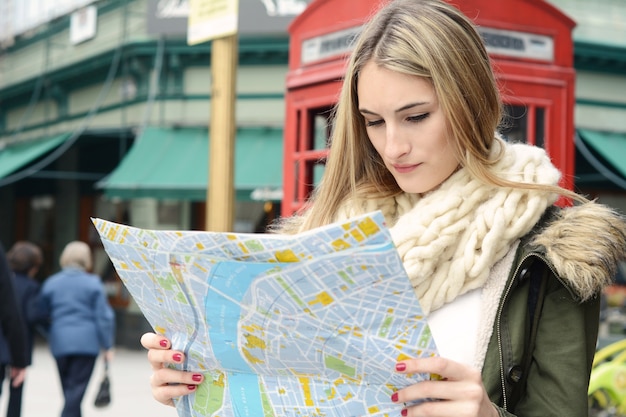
(395, 144)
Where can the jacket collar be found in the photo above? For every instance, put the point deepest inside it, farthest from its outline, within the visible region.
(583, 244)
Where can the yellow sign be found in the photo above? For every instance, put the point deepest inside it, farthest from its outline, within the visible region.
(210, 19)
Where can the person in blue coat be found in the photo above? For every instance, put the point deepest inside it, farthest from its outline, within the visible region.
(24, 259)
(82, 322)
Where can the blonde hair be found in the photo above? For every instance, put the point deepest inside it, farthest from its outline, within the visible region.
(76, 254)
(429, 39)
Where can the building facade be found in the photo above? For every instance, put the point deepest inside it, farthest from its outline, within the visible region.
(600, 110)
(104, 112)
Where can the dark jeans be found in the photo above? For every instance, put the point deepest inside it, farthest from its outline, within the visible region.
(75, 372)
(15, 394)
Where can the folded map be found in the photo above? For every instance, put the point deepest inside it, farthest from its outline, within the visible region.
(280, 325)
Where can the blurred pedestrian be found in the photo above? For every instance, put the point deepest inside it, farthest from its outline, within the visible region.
(81, 322)
(12, 328)
(25, 259)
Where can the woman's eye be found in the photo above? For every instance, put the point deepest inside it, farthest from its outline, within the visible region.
(370, 123)
(418, 118)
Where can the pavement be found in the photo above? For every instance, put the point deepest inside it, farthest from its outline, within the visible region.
(130, 388)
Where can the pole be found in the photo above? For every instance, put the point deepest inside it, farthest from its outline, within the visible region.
(220, 207)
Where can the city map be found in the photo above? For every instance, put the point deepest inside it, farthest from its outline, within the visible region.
(303, 325)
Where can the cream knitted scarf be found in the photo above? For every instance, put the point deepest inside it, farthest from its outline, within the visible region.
(450, 238)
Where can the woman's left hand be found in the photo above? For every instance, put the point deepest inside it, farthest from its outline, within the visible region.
(460, 390)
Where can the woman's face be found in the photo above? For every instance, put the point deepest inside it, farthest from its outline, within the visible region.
(406, 126)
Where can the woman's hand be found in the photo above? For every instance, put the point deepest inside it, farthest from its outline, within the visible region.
(167, 383)
(460, 391)
(109, 354)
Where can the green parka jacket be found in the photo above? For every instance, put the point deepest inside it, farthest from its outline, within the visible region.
(565, 260)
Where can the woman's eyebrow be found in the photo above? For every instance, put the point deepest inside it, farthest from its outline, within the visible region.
(411, 105)
(403, 108)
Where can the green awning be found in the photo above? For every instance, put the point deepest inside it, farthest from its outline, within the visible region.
(172, 163)
(16, 156)
(605, 154)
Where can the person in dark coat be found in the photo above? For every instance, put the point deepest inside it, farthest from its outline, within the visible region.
(12, 327)
(81, 322)
(24, 260)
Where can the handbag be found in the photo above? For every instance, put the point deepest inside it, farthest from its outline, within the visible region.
(103, 397)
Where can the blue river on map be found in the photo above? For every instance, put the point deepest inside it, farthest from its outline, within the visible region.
(233, 279)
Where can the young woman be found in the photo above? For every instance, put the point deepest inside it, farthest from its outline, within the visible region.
(510, 281)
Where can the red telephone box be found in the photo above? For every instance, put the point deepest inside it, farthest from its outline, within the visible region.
(529, 42)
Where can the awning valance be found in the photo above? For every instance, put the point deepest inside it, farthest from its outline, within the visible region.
(172, 163)
(604, 158)
(16, 156)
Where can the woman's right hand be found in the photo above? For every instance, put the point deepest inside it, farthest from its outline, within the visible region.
(167, 383)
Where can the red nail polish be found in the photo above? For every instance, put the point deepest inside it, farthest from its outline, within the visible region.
(163, 343)
(177, 357)
(196, 377)
(394, 397)
(404, 412)
(400, 366)
(193, 387)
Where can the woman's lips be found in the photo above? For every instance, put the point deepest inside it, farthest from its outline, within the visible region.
(403, 169)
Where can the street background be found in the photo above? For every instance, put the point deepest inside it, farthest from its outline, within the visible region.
(130, 387)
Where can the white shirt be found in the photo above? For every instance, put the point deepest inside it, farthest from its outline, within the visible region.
(455, 327)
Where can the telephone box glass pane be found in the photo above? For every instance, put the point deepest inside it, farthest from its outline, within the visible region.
(321, 128)
(318, 171)
(540, 129)
(515, 124)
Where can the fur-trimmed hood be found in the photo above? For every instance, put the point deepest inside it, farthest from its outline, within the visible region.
(584, 244)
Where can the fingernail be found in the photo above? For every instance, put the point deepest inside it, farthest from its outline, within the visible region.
(163, 343)
(196, 377)
(193, 387)
(394, 397)
(404, 412)
(177, 357)
(400, 366)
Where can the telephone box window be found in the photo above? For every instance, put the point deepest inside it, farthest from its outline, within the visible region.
(524, 124)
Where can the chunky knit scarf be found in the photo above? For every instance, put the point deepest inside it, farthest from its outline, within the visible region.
(450, 238)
